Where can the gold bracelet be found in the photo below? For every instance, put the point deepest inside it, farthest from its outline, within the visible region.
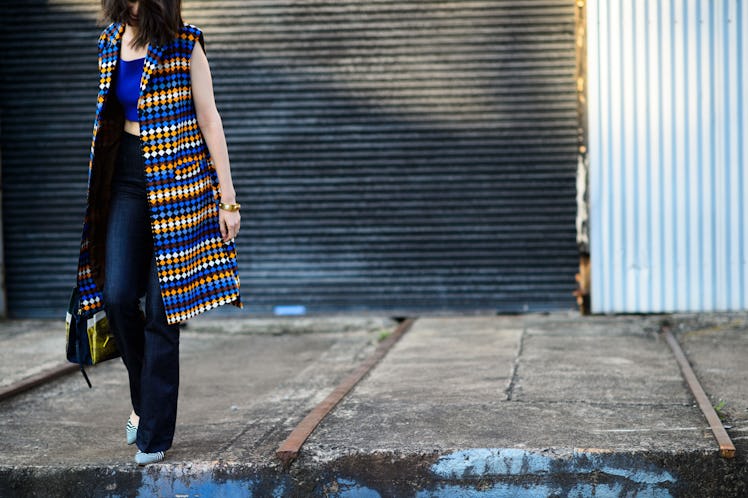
(229, 207)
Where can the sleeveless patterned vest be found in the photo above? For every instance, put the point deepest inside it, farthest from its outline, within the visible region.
(197, 271)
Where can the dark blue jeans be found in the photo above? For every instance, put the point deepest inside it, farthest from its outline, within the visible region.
(149, 345)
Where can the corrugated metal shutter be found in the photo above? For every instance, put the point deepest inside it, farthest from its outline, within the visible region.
(397, 156)
(668, 210)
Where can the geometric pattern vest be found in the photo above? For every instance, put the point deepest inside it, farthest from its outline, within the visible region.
(197, 271)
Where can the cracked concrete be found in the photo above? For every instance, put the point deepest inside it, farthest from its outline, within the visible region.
(577, 386)
(482, 405)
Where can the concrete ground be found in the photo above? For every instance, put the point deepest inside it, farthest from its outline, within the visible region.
(523, 405)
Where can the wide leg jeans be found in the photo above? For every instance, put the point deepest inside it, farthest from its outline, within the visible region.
(149, 345)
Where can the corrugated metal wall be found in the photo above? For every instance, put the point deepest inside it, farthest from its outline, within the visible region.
(667, 128)
(395, 156)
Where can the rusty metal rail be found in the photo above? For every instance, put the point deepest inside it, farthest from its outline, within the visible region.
(36, 380)
(289, 449)
(726, 447)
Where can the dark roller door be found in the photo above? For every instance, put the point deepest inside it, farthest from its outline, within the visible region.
(398, 157)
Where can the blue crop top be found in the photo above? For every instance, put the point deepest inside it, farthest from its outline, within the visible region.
(127, 86)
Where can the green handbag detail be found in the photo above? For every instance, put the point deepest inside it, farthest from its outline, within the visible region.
(89, 339)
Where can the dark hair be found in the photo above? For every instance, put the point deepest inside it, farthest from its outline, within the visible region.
(159, 21)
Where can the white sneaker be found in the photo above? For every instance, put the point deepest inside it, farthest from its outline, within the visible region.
(146, 458)
(131, 431)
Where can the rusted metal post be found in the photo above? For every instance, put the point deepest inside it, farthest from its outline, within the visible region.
(582, 292)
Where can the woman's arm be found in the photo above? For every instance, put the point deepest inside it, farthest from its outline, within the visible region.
(211, 127)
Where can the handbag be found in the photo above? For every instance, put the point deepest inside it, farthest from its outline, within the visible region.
(89, 339)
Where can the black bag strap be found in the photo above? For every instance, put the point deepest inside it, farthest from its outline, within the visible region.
(85, 376)
(80, 363)
(74, 308)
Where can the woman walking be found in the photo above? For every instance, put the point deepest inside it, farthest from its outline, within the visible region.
(161, 212)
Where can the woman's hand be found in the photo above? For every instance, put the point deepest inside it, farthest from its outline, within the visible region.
(229, 222)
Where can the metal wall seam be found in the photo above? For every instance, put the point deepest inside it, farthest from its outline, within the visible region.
(667, 134)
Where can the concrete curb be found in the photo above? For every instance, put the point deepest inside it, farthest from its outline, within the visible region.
(477, 472)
